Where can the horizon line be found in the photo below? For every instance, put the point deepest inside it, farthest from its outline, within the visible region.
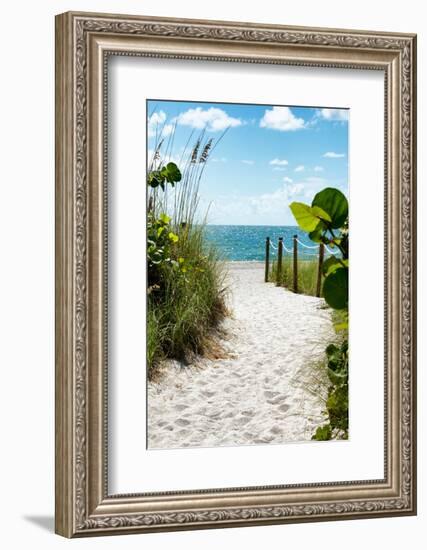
(251, 225)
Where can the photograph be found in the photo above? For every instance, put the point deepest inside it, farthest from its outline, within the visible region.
(247, 274)
(217, 363)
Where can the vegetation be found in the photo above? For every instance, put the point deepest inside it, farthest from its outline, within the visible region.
(326, 221)
(307, 275)
(186, 295)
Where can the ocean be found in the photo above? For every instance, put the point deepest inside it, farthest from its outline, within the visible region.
(246, 243)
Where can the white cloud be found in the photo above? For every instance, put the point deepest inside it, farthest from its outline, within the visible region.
(332, 155)
(248, 161)
(213, 119)
(333, 114)
(300, 168)
(271, 208)
(216, 159)
(287, 180)
(282, 119)
(157, 125)
(318, 168)
(279, 162)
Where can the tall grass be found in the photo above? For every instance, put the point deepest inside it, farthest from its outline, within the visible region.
(189, 300)
(307, 275)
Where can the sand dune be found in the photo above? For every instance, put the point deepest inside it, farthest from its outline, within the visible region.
(266, 391)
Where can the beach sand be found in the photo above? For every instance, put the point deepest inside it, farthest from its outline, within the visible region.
(267, 390)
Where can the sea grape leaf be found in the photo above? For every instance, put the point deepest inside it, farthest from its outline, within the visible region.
(330, 265)
(320, 213)
(334, 203)
(155, 178)
(304, 215)
(337, 377)
(331, 349)
(171, 173)
(335, 289)
(317, 235)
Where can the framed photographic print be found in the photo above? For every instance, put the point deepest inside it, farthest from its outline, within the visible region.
(235, 274)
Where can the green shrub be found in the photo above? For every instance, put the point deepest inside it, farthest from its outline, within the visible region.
(186, 291)
(326, 221)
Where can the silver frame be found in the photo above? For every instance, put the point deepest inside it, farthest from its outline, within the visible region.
(83, 43)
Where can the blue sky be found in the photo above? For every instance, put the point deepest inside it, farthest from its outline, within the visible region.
(269, 156)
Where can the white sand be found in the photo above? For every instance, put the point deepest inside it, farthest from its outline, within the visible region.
(263, 393)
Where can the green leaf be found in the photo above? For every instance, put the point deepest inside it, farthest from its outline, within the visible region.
(323, 433)
(155, 178)
(337, 377)
(316, 235)
(164, 218)
(331, 349)
(305, 217)
(335, 289)
(330, 265)
(320, 213)
(174, 238)
(171, 173)
(334, 203)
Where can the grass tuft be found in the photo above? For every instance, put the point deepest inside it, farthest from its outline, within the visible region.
(188, 300)
(307, 275)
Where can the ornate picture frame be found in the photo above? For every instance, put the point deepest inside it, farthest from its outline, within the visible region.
(84, 42)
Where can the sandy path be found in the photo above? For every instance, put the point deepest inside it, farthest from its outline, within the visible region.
(261, 393)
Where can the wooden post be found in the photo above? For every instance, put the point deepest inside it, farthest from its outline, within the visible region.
(267, 258)
(279, 261)
(295, 264)
(319, 270)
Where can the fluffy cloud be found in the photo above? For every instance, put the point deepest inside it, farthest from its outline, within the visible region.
(318, 168)
(282, 119)
(270, 208)
(213, 119)
(287, 180)
(333, 114)
(279, 162)
(157, 125)
(300, 168)
(248, 162)
(332, 155)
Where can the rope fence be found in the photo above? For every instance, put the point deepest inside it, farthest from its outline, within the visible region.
(294, 252)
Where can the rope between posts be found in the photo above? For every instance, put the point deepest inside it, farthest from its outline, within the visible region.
(315, 246)
(306, 245)
(290, 251)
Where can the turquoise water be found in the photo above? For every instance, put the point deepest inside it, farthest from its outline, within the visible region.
(247, 242)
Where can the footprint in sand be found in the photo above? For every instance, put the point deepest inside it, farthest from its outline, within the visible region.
(270, 394)
(182, 422)
(242, 420)
(276, 430)
(276, 400)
